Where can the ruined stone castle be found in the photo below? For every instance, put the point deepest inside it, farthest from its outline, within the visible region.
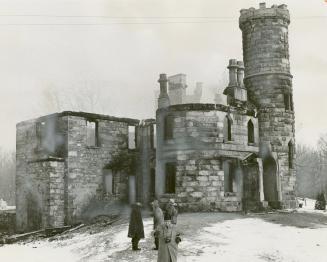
(208, 157)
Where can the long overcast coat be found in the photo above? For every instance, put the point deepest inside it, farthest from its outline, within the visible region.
(136, 229)
(171, 212)
(167, 251)
(158, 217)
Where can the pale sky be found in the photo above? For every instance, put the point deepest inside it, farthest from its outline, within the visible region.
(122, 58)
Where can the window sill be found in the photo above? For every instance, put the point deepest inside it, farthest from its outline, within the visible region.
(93, 147)
(168, 195)
(230, 194)
(251, 144)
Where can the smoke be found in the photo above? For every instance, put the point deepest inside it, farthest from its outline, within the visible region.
(132, 191)
(51, 139)
(99, 208)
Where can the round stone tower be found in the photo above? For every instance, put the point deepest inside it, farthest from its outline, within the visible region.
(269, 85)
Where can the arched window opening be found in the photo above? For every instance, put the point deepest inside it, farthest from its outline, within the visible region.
(250, 132)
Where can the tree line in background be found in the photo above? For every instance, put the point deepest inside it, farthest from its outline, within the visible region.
(7, 176)
(311, 170)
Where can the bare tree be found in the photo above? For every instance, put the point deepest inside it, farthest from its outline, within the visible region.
(88, 96)
(7, 176)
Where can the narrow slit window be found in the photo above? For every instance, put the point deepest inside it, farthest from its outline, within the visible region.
(152, 181)
(287, 102)
(250, 132)
(290, 155)
(153, 136)
(228, 128)
(131, 137)
(291, 102)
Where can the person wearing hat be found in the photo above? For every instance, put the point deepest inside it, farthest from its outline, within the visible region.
(136, 228)
(169, 239)
(171, 211)
(158, 219)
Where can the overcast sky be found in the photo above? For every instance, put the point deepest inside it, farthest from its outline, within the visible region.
(121, 58)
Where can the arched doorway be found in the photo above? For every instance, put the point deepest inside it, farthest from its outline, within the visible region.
(270, 179)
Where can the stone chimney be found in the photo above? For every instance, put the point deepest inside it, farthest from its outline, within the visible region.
(240, 74)
(232, 72)
(235, 91)
(163, 100)
(262, 5)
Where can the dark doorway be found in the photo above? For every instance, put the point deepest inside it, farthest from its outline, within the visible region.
(152, 182)
(270, 179)
(34, 214)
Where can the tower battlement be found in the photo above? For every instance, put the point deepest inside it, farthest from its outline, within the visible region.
(275, 12)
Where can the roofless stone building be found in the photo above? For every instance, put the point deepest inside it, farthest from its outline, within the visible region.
(206, 156)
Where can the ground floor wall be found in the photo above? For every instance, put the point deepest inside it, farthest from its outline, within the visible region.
(201, 181)
(40, 195)
(7, 221)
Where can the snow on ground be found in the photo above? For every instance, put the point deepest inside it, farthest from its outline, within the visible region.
(4, 206)
(206, 237)
(252, 239)
(308, 206)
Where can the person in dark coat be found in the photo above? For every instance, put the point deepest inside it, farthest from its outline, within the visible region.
(171, 211)
(169, 239)
(136, 228)
(158, 219)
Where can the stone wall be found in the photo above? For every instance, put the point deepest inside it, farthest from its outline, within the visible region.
(36, 159)
(86, 164)
(146, 161)
(198, 148)
(7, 220)
(268, 81)
(58, 173)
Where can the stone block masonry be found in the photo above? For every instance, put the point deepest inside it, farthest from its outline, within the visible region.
(59, 171)
(269, 84)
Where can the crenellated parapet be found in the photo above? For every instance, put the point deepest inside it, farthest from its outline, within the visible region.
(275, 12)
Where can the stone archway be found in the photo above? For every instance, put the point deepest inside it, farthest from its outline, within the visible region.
(270, 180)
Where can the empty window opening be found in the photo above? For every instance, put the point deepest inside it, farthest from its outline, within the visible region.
(228, 128)
(288, 101)
(168, 127)
(229, 176)
(290, 155)
(250, 132)
(152, 181)
(154, 136)
(92, 133)
(131, 137)
(108, 181)
(170, 178)
(40, 134)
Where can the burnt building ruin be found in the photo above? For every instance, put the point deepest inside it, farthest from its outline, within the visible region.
(205, 156)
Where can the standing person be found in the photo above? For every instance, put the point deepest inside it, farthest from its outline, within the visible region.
(136, 229)
(169, 239)
(171, 211)
(158, 219)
